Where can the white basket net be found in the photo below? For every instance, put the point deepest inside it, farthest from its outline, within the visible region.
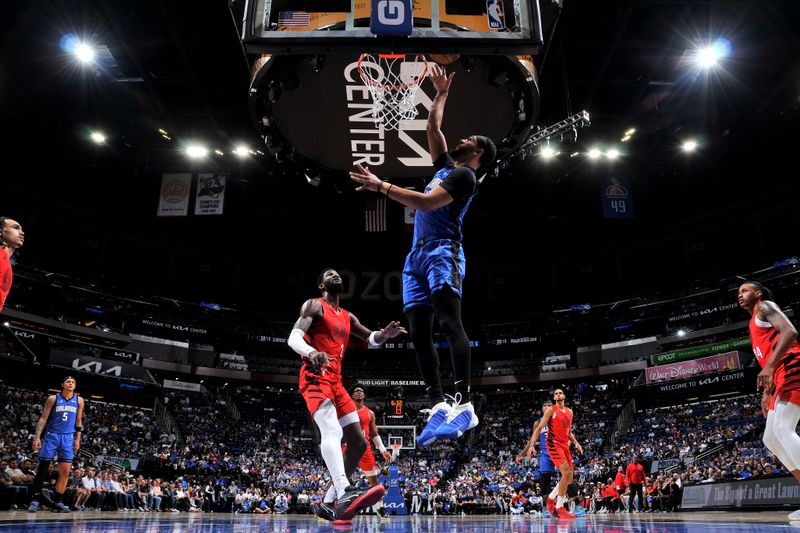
(393, 81)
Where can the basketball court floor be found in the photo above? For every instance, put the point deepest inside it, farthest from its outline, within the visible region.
(755, 522)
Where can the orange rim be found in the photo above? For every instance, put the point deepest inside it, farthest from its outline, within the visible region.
(370, 81)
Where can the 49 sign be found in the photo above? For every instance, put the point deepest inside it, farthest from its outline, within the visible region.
(617, 198)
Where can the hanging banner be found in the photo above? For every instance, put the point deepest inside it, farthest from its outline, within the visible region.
(210, 194)
(698, 351)
(617, 197)
(695, 367)
(182, 385)
(174, 198)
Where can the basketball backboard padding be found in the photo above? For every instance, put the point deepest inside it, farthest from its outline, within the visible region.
(285, 27)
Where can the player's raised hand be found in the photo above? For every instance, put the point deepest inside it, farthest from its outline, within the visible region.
(441, 81)
(317, 362)
(388, 457)
(365, 179)
(393, 329)
(530, 453)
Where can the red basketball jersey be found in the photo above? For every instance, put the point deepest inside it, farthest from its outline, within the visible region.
(764, 337)
(6, 277)
(330, 335)
(558, 427)
(363, 419)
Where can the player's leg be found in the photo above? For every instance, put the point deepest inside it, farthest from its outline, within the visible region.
(781, 425)
(420, 320)
(46, 455)
(64, 468)
(566, 468)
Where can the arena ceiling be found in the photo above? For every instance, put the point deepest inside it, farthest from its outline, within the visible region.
(179, 67)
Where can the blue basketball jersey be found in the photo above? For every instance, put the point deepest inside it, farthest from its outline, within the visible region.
(446, 221)
(545, 462)
(63, 415)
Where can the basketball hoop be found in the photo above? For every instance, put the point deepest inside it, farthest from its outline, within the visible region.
(393, 81)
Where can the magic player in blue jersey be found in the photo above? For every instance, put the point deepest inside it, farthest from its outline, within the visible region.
(435, 267)
(546, 467)
(58, 432)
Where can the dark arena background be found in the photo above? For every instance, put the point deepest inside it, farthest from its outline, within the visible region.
(179, 170)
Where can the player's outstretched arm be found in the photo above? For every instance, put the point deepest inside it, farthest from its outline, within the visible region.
(311, 311)
(435, 199)
(375, 338)
(524, 452)
(437, 145)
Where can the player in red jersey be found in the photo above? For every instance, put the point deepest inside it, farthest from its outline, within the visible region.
(558, 420)
(774, 341)
(369, 429)
(11, 239)
(320, 336)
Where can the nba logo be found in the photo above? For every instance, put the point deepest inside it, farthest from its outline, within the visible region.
(495, 14)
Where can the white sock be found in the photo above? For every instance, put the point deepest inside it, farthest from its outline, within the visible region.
(560, 501)
(330, 495)
(331, 445)
(554, 493)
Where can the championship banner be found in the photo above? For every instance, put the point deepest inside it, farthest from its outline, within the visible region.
(689, 369)
(127, 463)
(210, 194)
(174, 198)
(737, 494)
(617, 197)
(694, 353)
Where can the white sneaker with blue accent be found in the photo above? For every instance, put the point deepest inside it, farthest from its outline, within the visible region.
(795, 516)
(463, 418)
(439, 414)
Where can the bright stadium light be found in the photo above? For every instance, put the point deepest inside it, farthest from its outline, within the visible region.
(681, 332)
(547, 152)
(612, 153)
(710, 56)
(689, 146)
(242, 151)
(98, 137)
(196, 151)
(595, 153)
(84, 53)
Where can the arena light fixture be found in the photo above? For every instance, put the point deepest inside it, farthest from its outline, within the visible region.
(709, 56)
(97, 137)
(84, 53)
(681, 333)
(689, 146)
(242, 150)
(548, 152)
(630, 132)
(219, 152)
(196, 151)
(612, 153)
(595, 153)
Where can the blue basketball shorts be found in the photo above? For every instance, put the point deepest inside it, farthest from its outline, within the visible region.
(546, 465)
(429, 267)
(57, 444)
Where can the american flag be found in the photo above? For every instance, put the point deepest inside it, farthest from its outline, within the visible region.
(293, 18)
(375, 214)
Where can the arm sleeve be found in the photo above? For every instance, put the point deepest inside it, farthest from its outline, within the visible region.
(460, 183)
(298, 344)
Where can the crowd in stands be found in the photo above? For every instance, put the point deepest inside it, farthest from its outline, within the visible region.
(253, 451)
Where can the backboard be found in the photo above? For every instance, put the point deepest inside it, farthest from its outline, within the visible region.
(453, 26)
